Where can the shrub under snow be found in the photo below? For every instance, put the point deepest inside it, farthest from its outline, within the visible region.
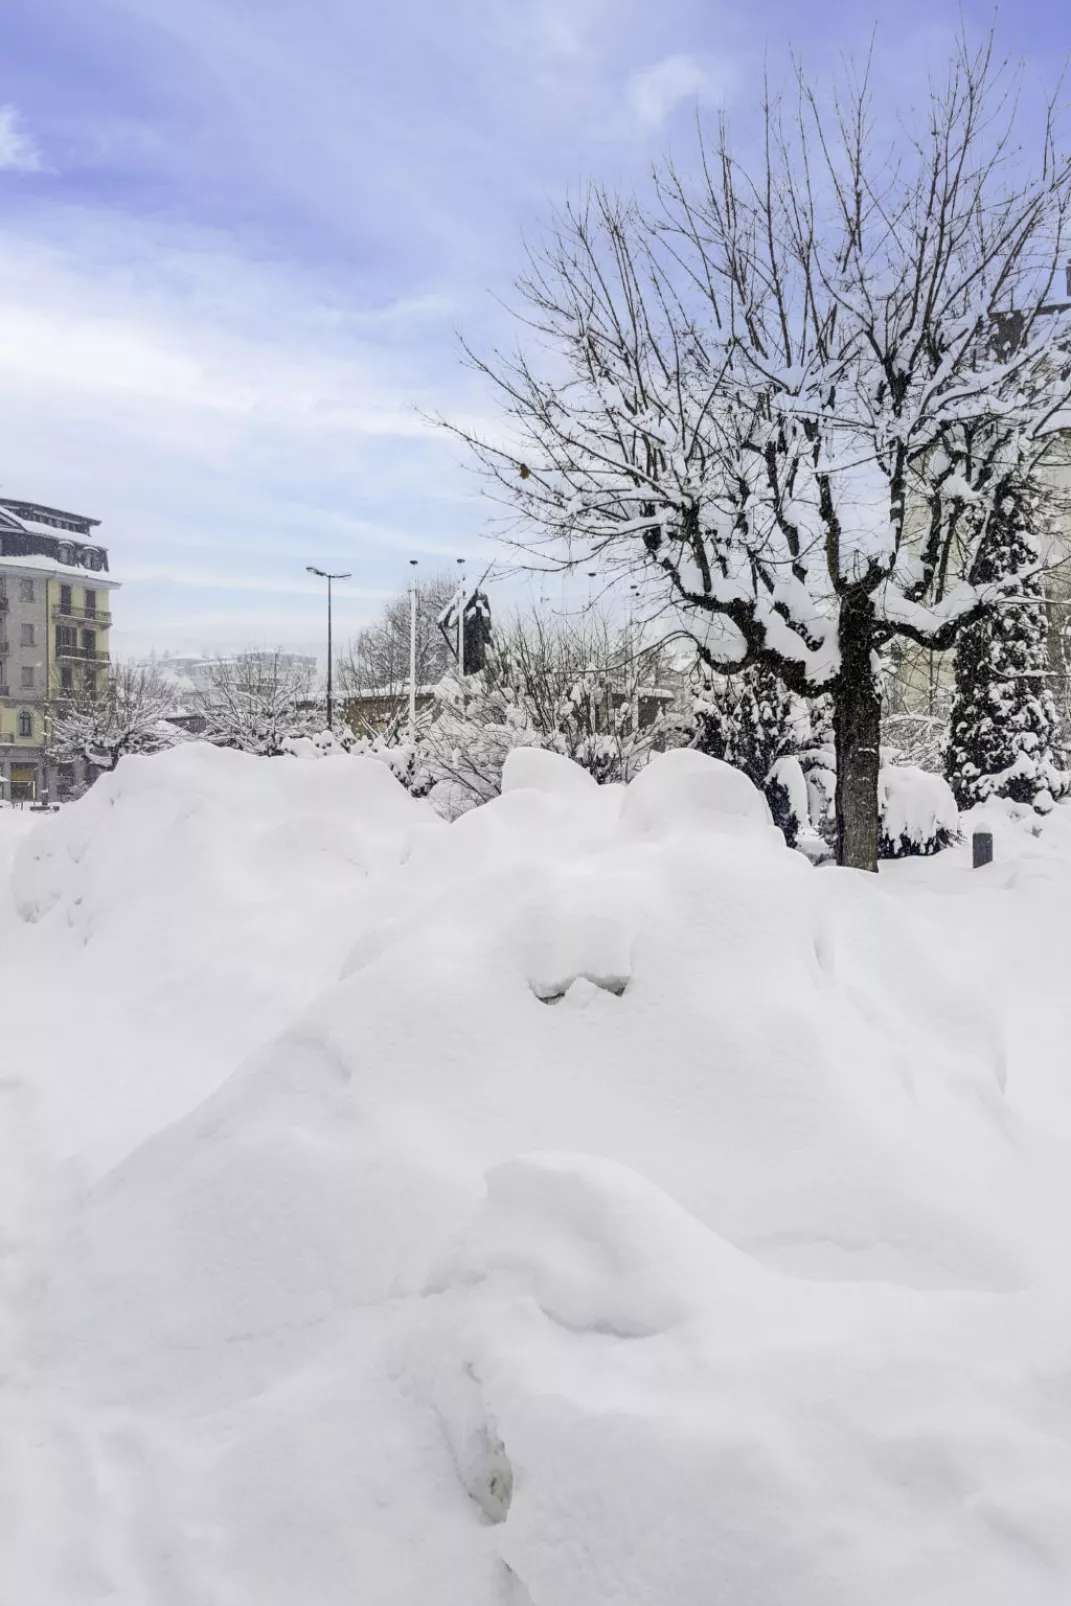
(918, 812)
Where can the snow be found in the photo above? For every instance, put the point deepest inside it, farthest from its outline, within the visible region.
(39, 563)
(587, 1203)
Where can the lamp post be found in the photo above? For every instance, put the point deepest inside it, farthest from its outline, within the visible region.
(634, 666)
(461, 618)
(322, 574)
(412, 652)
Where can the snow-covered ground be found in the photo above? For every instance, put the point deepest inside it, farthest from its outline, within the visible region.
(589, 1203)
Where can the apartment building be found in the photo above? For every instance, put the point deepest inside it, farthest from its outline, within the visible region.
(55, 622)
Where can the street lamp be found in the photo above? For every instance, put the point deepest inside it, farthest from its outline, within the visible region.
(412, 651)
(322, 574)
(461, 618)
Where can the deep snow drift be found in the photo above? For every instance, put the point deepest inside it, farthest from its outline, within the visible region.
(588, 1203)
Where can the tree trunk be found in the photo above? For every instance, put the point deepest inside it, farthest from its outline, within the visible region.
(857, 728)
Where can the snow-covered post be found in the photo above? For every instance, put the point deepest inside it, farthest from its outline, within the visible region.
(981, 849)
(412, 651)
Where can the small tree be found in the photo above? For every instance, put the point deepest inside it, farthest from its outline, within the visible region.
(376, 661)
(255, 702)
(1003, 724)
(126, 714)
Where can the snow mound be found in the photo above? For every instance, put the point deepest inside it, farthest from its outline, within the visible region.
(665, 1418)
(536, 769)
(596, 1247)
(587, 1203)
(683, 790)
(202, 895)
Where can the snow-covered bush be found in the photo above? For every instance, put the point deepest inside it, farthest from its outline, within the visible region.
(783, 744)
(570, 688)
(127, 714)
(918, 812)
(258, 702)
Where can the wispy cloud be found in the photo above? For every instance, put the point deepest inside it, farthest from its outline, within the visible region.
(18, 153)
(657, 91)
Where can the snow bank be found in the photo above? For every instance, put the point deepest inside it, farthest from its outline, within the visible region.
(200, 894)
(672, 1422)
(638, 1215)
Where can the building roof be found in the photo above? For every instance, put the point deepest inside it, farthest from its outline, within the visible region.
(52, 518)
(46, 541)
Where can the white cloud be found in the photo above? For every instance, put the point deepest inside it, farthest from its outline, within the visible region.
(229, 420)
(656, 91)
(18, 153)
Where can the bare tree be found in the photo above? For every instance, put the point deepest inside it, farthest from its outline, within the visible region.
(257, 700)
(377, 659)
(125, 714)
(790, 396)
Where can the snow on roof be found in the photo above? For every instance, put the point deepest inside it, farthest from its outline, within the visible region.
(53, 531)
(385, 693)
(37, 563)
(79, 523)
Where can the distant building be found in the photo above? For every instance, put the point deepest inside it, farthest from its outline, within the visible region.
(55, 624)
(192, 677)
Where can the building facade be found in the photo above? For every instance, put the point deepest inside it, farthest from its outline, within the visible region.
(55, 625)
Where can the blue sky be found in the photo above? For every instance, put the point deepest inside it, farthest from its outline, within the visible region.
(238, 237)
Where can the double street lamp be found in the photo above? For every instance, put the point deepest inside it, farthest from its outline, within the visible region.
(322, 574)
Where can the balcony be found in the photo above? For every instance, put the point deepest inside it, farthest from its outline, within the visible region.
(96, 616)
(81, 655)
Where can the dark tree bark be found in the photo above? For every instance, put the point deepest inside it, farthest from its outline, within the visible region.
(857, 730)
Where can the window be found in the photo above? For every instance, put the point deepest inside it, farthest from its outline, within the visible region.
(66, 678)
(66, 638)
(91, 604)
(27, 635)
(25, 724)
(91, 683)
(27, 677)
(65, 599)
(89, 641)
(65, 553)
(25, 590)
